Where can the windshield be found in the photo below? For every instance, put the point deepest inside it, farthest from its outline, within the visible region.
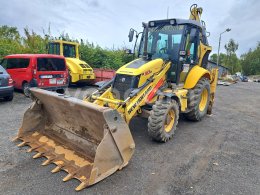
(69, 51)
(54, 48)
(163, 42)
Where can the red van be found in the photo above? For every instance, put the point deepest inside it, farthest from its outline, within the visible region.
(37, 70)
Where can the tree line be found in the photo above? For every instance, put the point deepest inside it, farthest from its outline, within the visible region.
(248, 63)
(12, 42)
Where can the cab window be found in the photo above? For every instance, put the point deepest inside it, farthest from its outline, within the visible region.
(192, 47)
(54, 48)
(69, 51)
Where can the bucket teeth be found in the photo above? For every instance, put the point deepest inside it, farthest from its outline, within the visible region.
(15, 139)
(68, 177)
(81, 186)
(48, 161)
(30, 150)
(33, 148)
(38, 155)
(56, 169)
(22, 144)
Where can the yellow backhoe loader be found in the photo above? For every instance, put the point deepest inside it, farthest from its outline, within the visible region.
(80, 71)
(90, 139)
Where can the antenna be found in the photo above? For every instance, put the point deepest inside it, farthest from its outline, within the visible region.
(168, 12)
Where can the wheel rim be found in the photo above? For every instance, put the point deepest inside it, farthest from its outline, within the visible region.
(204, 100)
(26, 89)
(169, 122)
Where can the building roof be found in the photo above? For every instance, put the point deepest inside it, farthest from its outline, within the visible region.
(219, 64)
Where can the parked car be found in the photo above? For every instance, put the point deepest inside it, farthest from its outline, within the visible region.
(244, 79)
(37, 70)
(6, 85)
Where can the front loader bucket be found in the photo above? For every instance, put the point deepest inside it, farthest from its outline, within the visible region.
(88, 141)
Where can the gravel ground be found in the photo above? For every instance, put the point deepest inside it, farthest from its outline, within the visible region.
(219, 155)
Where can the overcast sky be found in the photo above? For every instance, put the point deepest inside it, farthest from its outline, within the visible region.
(107, 22)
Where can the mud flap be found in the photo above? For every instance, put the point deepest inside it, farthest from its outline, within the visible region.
(88, 141)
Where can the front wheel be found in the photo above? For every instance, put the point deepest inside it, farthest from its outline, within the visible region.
(163, 120)
(198, 100)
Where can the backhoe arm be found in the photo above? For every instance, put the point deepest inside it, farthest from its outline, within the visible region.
(195, 12)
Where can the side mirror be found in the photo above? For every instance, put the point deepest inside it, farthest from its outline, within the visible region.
(131, 35)
(182, 53)
(193, 34)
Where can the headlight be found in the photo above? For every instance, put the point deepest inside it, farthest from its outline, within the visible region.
(172, 22)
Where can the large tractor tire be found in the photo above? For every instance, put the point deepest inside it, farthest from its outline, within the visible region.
(163, 120)
(198, 100)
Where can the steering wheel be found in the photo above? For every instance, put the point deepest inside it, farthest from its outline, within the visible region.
(163, 50)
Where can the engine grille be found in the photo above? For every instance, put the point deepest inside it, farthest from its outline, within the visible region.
(122, 86)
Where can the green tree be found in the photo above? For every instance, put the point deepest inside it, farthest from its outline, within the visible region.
(232, 61)
(10, 41)
(251, 61)
(222, 58)
(34, 43)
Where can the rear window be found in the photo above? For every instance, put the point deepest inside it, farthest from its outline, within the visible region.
(51, 64)
(11, 63)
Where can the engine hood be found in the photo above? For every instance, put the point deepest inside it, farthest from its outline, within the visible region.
(141, 66)
(77, 65)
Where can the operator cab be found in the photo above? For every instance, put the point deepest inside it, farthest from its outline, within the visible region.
(68, 50)
(174, 40)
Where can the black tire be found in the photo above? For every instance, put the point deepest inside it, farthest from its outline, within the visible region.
(26, 89)
(158, 120)
(196, 112)
(60, 91)
(69, 79)
(9, 98)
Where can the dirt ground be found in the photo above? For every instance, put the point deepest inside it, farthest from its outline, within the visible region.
(219, 155)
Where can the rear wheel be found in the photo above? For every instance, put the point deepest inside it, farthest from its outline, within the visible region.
(69, 79)
(60, 91)
(26, 89)
(198, 100)
(163, 120)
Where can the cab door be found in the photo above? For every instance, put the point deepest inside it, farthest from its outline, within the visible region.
(191, 49)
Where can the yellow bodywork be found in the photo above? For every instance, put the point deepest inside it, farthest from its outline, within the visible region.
(195, 74)
(79, 70)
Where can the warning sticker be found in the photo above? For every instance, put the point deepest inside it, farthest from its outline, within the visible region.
(186, 67)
